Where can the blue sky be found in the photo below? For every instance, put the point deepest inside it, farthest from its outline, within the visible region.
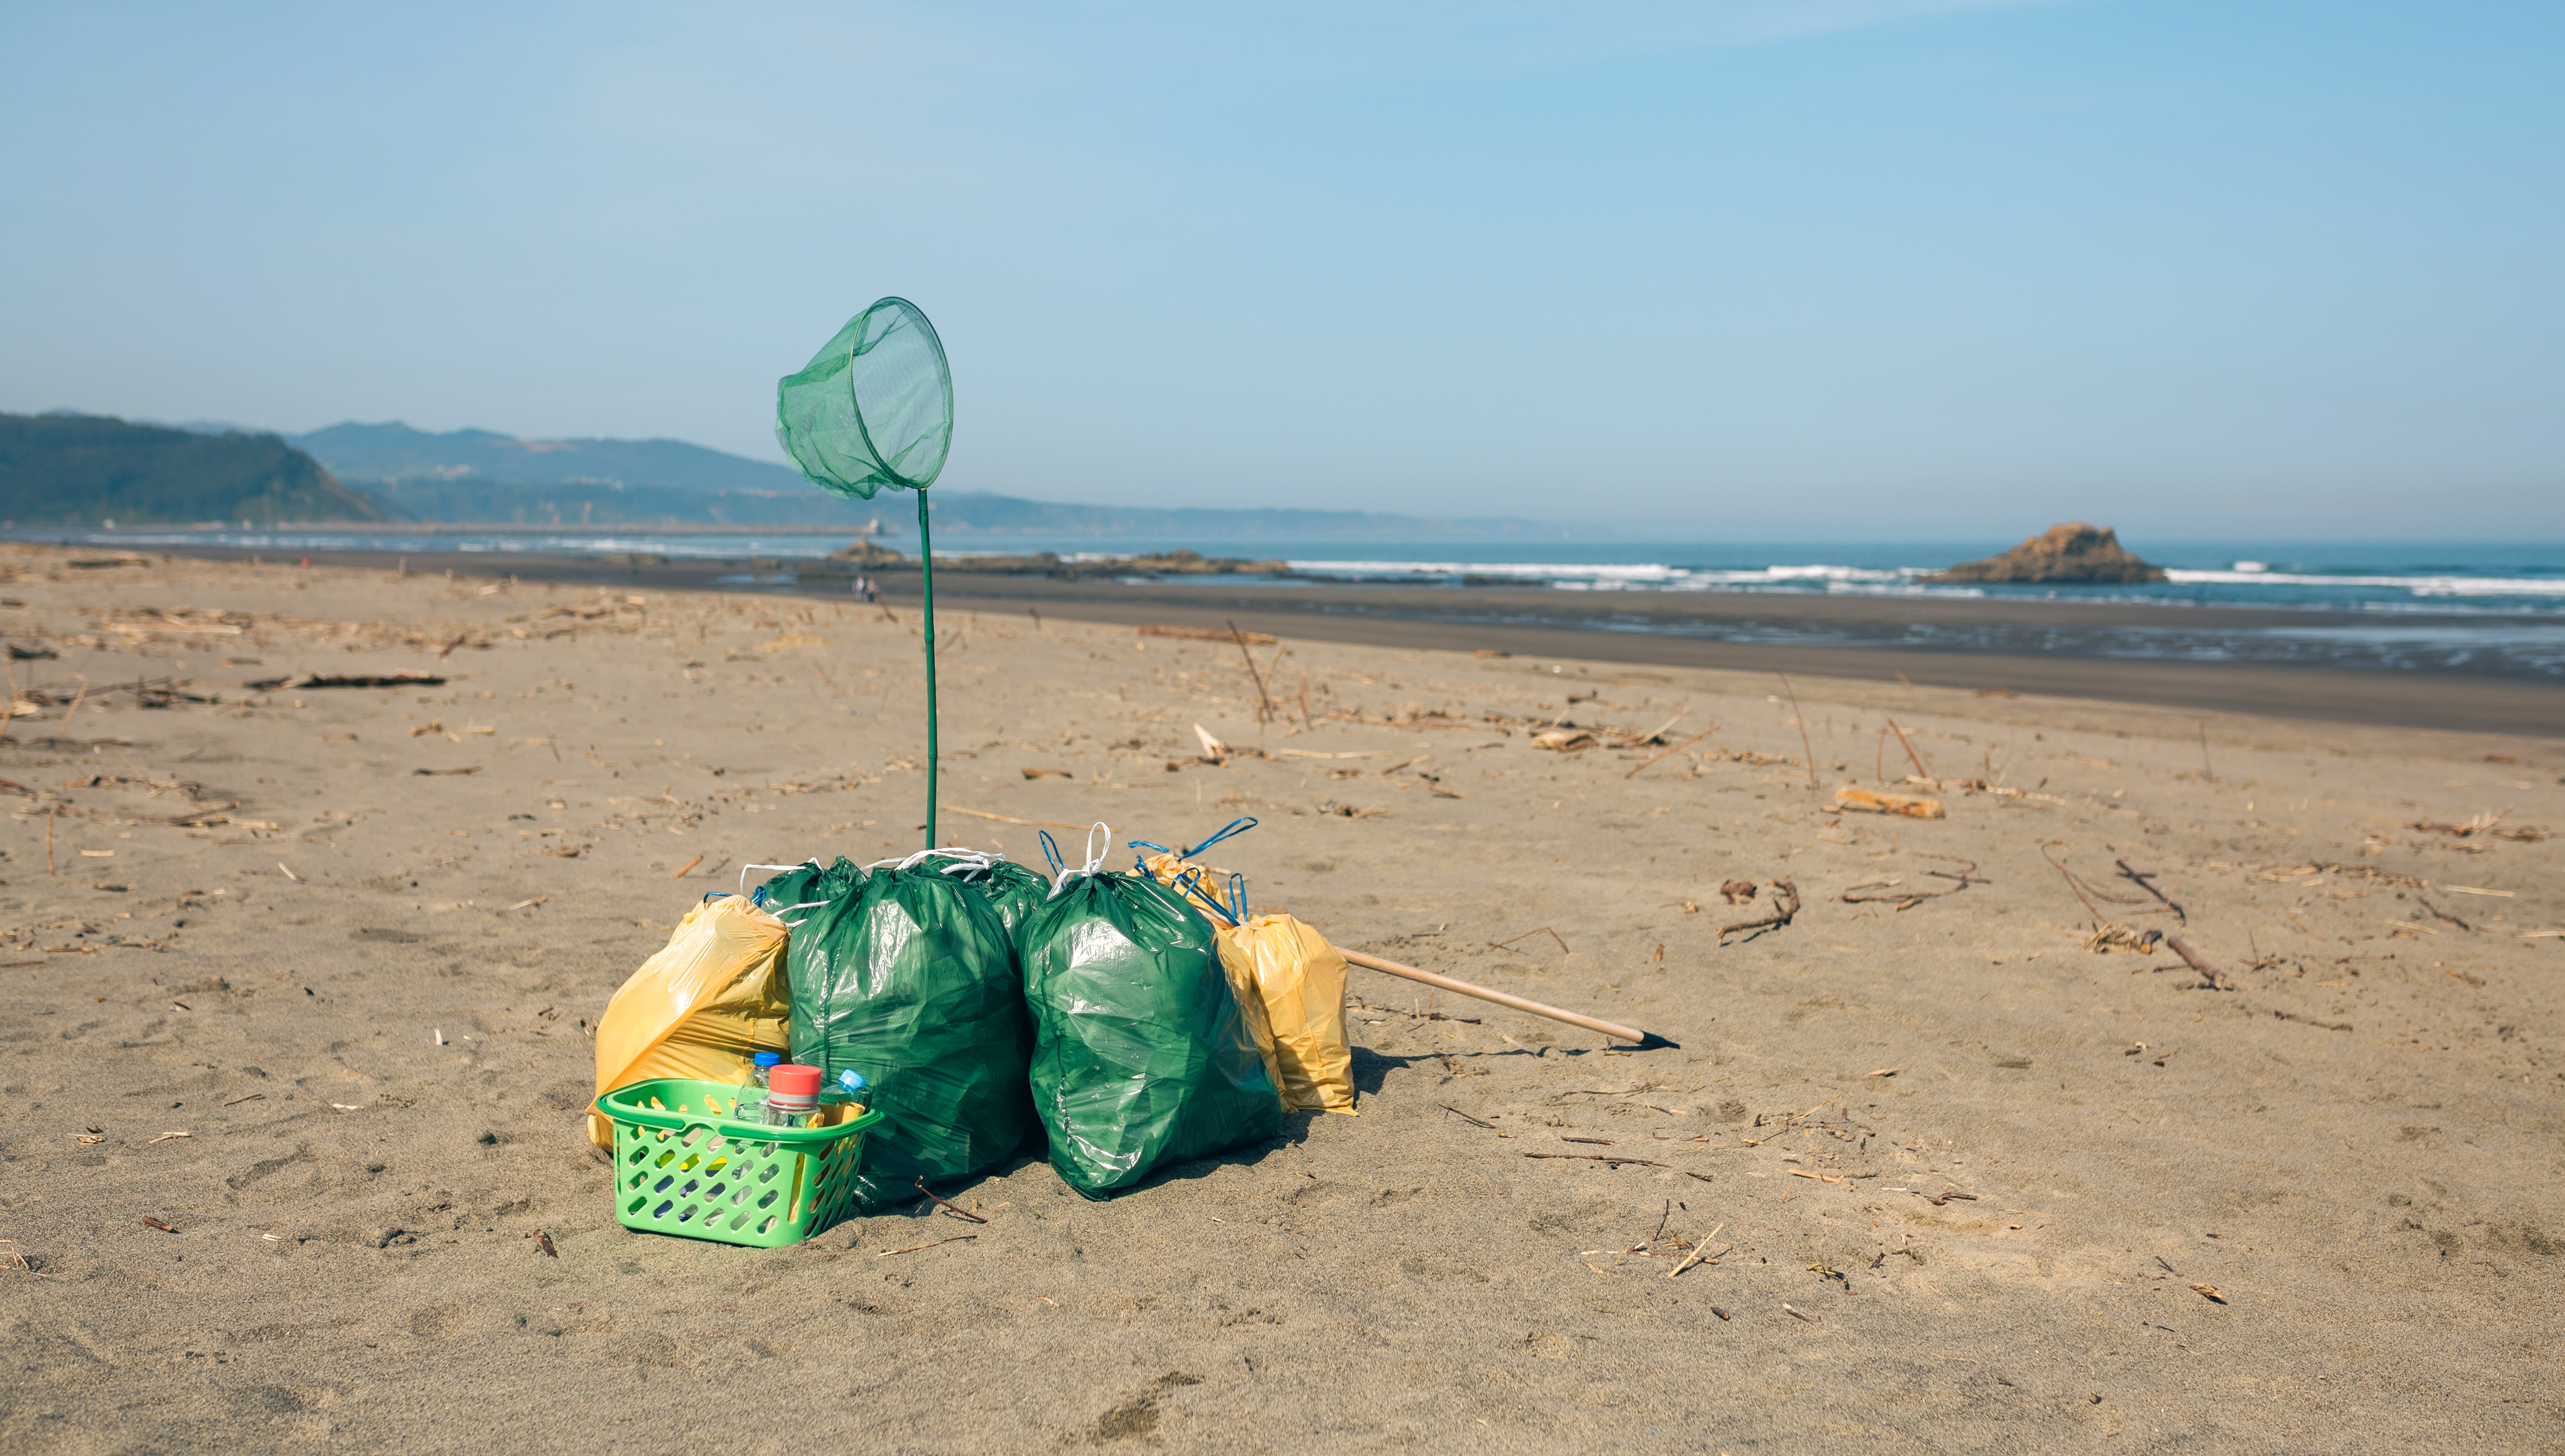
(1795, 267)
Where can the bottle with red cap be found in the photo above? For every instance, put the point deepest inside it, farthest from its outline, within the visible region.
(791, 1095)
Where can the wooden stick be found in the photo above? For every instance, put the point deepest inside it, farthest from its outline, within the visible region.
(957, 1209)
(1264, 704)
(1804, 746)
(1781, 914)
(1527, 935)
(1646, 1039)
(65, 726)
(1698, 1251)
(1911, 756)
(2192, 959)
(1649, 736)
(2141, 881)
(690, 864)
(1671, 752)
(1040, 824)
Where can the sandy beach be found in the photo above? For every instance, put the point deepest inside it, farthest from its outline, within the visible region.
(2050, 647)
(300, 980)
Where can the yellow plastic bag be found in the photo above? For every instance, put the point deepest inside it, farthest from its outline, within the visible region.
(1300, 979)
(1199, 884)
(700, 1008)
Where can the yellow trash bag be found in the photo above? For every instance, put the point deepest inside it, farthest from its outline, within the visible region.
(701, 1009)
(1300, 979)
(1200, 883)
(1290, 982)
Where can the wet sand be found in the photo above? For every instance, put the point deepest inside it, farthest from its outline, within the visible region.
(307, 978)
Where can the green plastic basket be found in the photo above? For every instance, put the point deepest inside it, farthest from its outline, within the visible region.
(683, 1165)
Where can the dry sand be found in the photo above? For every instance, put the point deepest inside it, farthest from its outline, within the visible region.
(330, 1032)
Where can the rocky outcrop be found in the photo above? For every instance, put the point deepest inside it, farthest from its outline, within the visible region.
(872, 554)
(2071, 554)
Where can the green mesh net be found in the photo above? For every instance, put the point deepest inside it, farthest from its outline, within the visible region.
(874, 408)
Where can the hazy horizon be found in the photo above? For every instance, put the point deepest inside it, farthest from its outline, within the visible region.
(1933, 269)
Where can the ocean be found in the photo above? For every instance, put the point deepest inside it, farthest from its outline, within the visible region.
(2475, 606)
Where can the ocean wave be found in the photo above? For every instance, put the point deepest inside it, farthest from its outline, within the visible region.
(2432, 586)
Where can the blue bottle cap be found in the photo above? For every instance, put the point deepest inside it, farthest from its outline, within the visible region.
(770, 1058)
(851, 1080)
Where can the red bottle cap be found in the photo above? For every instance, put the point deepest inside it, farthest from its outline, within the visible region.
(792, 1080)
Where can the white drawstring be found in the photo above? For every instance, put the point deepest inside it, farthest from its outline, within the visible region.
(743, 870)
(1094, 856)
(970, 857)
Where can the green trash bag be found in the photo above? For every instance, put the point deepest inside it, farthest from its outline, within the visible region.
(909, 978)
(1141, 1059)
(1011, 889)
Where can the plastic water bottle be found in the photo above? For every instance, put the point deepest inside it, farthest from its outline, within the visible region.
(793, 1094)
(850, 1089)
(752, 1098)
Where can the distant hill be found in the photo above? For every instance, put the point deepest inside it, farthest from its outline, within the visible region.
(486, 478)
(373, 452)
(84, 469)
(478, 475)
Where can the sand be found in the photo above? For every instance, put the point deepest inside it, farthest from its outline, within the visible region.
(2056, 649)
(329, 1027)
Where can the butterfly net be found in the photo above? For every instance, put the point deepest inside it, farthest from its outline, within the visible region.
(874, 408)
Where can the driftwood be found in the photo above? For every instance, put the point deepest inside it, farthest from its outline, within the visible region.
(1907, 899)
(1863, 801)
(1671, 752)
(1785, 906)
(2141, 881)
(2191, 958)
(1908, 743)
(1210, 635)
(1805, 745)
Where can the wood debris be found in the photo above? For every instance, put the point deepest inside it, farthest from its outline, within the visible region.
(1785, 907)
(1864, 801)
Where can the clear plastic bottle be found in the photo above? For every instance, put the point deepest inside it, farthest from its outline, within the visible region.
(850, 1089)
(752, 1097)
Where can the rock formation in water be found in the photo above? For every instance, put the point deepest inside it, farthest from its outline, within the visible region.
(2072, 554)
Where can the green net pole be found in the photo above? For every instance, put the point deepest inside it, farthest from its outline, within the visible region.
(926, 565)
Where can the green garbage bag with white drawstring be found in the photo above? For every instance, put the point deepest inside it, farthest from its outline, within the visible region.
(1011, 889)
(908, 976)
(1141, 1057)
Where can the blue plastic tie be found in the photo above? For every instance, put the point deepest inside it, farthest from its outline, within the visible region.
(1238, 898)
(1193, 883)
(1235, 827)
(1050, 851)
(1145, 844)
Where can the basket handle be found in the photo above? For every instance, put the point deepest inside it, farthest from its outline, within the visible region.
(681, 1122)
